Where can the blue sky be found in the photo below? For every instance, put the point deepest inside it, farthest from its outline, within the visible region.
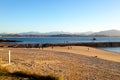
(59, 15)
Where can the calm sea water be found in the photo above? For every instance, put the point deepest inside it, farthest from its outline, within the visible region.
(70, 39)
(64, 39)
(113, 49)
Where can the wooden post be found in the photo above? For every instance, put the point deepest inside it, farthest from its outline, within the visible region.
(9, 57)
(1, 58)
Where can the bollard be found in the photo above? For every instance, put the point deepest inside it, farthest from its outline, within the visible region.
(9, 56)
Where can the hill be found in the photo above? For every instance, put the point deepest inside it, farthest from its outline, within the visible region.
(108, 33)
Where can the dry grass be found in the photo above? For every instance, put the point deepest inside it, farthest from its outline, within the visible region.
(5, 75)
(65, 65)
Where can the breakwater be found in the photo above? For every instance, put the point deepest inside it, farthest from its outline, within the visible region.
(90, 44)
(5, 40)
(37, 45)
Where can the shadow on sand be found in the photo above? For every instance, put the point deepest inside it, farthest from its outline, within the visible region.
(29, 77)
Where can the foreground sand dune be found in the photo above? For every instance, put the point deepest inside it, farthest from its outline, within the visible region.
(77, 63)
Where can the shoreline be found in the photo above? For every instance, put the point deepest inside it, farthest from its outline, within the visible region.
(114, 51)
(98, 45)
(38, 45)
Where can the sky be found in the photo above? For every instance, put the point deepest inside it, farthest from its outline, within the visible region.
(59, 15)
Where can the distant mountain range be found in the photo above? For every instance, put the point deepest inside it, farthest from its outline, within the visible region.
(111, 33)
(47, 33)
(108, 33)
(55, 33)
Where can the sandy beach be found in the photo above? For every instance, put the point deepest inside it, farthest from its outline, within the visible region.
(88, 51)
(73, 63)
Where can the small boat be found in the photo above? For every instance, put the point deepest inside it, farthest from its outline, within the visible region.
(94, 38)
